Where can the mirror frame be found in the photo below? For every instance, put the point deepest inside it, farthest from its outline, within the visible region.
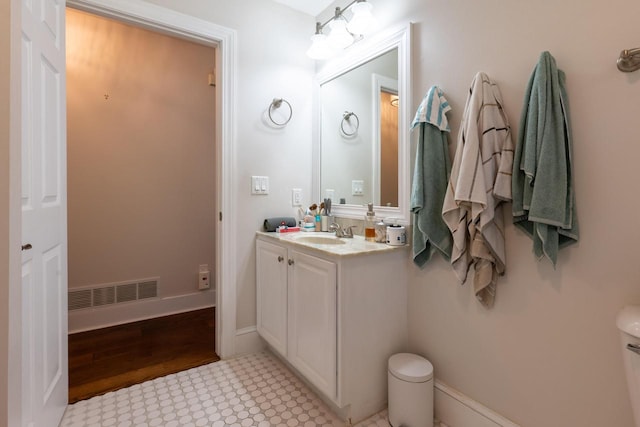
(366, 50)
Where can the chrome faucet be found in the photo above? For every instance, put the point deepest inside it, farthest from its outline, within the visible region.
(340, 232)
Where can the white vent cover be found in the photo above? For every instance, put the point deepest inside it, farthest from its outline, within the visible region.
(148, 289)
(104, 296)
(98, 296)
(79, 299)
(126, 292)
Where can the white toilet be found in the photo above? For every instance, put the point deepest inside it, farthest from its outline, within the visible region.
(628, 322)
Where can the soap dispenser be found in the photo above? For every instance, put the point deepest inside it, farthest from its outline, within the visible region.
(370, 224)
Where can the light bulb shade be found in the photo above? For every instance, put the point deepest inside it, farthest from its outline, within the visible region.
(362, 19)
(339, 37)
(319, 48)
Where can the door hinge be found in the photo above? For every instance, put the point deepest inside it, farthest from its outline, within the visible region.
(220, 216)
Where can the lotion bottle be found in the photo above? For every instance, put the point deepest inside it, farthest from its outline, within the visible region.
(370, 224)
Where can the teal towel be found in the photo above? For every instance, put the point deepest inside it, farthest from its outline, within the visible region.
(542, 188)
(430, 178)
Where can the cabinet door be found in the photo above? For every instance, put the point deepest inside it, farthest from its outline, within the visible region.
(271, 290)
(312, 320)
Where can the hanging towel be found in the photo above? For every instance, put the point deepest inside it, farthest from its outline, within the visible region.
(543, 194)
(480, 181)
(430, 176)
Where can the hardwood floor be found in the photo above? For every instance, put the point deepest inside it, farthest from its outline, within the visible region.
(119, 356)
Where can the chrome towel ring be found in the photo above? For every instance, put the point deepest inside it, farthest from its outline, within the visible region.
(277, 103)
(346, 117)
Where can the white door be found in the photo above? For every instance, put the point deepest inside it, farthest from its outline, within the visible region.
(312, 339)
(271, 290)
(44, 211)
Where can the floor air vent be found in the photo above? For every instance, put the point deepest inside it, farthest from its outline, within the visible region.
(99, 296)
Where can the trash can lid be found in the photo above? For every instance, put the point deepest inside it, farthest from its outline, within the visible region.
(629, 320)
(410, 367)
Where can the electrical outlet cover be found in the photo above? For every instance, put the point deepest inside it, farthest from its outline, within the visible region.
(296, 197)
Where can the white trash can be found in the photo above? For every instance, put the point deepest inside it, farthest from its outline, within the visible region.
(410, 391)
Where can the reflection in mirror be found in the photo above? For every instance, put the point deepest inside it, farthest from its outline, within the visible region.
(361, 148)
(388, 143)
(359, 134)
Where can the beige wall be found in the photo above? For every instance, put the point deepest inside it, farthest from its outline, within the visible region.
(141, 163)
(547, 354)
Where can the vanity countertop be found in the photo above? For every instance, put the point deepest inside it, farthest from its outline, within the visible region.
(323, 242)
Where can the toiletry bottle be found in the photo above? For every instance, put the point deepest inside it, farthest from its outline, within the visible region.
(370, 224)
(381, 232)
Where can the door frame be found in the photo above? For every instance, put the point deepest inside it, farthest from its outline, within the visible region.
(156, 18)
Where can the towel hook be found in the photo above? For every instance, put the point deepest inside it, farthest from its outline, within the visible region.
(629, 60)
(277, 103)
(346, 117)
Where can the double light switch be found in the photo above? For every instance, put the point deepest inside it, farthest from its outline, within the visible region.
(259, 185)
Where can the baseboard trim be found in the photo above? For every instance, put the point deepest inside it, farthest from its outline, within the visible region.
(248, 341)
(118, 314)
(453, 408)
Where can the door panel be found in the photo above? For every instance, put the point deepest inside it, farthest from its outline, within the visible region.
(44, 266)
(271, 288)
(312, 320)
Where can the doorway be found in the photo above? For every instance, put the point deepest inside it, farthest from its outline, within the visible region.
(169, 22)
(141, 191)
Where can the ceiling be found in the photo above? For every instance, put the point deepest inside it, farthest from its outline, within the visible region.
(310, 7)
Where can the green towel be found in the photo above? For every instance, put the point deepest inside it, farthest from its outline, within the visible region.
(430, 178)
(542, 188)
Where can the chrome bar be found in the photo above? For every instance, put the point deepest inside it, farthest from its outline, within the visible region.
(634, 347)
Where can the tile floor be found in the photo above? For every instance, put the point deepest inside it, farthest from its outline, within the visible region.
(253, 390)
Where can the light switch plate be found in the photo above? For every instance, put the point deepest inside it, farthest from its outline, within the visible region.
(357, 187)
(259, 184)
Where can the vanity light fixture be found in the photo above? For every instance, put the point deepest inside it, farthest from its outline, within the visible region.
(342, 33)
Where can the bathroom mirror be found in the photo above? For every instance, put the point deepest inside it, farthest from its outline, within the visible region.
(361, 150)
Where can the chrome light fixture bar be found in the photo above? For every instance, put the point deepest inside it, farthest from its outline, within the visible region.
(342, 33)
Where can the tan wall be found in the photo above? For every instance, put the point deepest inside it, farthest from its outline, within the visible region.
(141, 160)
(547, 354)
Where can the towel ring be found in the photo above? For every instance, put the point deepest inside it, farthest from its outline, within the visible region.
(347, 117)
(275, 104)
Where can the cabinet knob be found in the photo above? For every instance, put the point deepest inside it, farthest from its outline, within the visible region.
(27, 247)
(280, 258)
(290, 262)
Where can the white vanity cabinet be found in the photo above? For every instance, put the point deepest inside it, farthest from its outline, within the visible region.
(334, 314)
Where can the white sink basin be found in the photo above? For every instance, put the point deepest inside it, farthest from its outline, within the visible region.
(320, 240)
